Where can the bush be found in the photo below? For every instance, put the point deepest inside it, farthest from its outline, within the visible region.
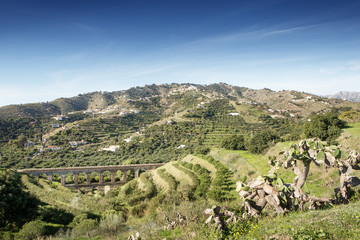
(36, 229)
(139, 210)
(111, 222)
(150, 190)
(86, 227)
(32, 230)
(202, 150)
(350, 116)
(168, 178)
(16, 204)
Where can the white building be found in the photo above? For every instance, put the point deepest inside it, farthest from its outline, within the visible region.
(111, 148)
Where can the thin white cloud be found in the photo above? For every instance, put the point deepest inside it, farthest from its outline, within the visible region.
(285, 31)
(251, 35)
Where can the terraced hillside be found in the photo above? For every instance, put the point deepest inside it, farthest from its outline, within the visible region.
(194, 177)
(155, 123)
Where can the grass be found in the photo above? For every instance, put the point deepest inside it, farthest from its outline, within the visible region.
(245, 163)
(319, 183)
(339, 222)
(354, 129)
(351, 136)
(159, 182)
(62, 197)
(179, 175)
(249, 113)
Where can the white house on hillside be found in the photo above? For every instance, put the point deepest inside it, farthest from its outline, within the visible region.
(111, 148)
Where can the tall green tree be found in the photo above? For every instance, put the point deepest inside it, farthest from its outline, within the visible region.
(235, 142)
(261, 141)
(327, 127)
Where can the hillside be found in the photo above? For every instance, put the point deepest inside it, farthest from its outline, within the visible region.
(154, 123)
(171, 201)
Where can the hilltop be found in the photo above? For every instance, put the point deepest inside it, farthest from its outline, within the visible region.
(293, 102)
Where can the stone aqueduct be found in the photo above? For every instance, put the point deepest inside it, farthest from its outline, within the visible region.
(88, 170)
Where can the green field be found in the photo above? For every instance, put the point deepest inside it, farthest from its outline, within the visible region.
(351, 136)
(354, 129)
(339, 222)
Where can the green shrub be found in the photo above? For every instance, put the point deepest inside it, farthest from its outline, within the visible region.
(78, 219)
(32, 230)
(303, 233)
(6, 235)
(139, 210)
(86, 227)
(111, 223)
(150, 190)
(194, 179)
(223, 185)
(36, 229)
(204, 178)
(16, 204)
(202, 150)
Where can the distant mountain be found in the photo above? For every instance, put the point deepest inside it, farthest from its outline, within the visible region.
(350, 96)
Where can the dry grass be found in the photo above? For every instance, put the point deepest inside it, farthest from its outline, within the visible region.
(159, 182)
(247, 112)
(141, 184)
(179, 175)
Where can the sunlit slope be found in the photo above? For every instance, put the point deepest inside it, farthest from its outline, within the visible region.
(320, 182)
(351, 136)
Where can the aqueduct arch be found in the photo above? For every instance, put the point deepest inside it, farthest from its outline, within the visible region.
(75, 171)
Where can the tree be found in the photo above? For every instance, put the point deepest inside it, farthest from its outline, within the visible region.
(202, 150)
(260, 141)
(20, 141)
(235, 142)
(327, 127)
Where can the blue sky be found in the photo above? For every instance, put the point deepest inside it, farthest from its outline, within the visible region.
(53, 48)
